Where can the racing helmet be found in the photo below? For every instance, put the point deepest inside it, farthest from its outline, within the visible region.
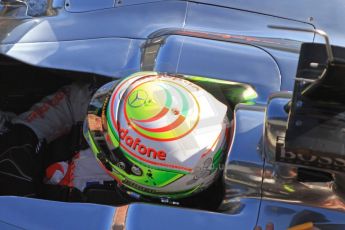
(157, 135)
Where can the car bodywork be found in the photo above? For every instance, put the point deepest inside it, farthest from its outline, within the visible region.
(223, 40)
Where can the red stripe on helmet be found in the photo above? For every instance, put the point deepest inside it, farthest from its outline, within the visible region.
(173, 125)
(164, 111)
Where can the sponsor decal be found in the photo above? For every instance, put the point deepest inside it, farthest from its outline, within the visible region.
(121, 165)
(138, 187)
(310, 159)
(136, 170)
(42, 108)
(141, 148)
(138, 99)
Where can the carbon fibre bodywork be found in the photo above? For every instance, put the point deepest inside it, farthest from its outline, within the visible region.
(227, 40)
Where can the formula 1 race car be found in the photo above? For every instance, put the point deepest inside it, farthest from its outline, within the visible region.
(285, 165)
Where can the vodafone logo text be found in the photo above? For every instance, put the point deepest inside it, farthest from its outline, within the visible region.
(136, 145)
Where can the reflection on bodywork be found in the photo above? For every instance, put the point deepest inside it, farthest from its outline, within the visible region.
(26, 8)
(235, 92)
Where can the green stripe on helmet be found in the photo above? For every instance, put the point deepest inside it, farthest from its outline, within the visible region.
(94, 147)
(185, 107)
(216, 159)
